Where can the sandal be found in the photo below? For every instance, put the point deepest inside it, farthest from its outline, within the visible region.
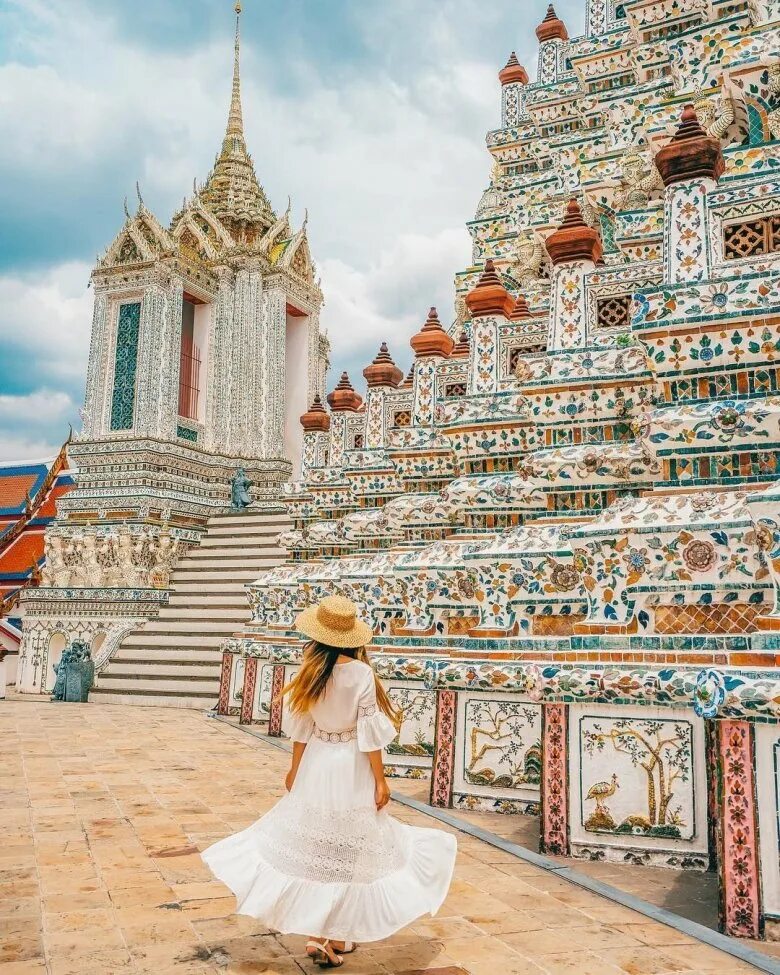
(349, 947)
(324, 955)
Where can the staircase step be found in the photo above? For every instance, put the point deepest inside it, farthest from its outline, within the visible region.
(204, 560)
(216, 600)
(261, 522)
(185, 686)
(180, 641)
(202, 574)
(171, 655)
(154, 698)
(122, 669)
(214, 614)
(233, 540)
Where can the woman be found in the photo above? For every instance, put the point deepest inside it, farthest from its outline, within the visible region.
(328, 861)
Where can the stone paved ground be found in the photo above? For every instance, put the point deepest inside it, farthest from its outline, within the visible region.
(104, 809)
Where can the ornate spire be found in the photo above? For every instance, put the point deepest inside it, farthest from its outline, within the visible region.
(344, 399)
(232, 192)
(315, 417)
(432, 340)
(521, 311)
(235, 124)
(462, 346)
(512, 72)
(552, 28)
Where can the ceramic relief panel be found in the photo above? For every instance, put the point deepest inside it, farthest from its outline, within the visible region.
(499, 752)
(638, 784)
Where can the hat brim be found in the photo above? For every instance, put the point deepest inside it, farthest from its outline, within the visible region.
(358, 635)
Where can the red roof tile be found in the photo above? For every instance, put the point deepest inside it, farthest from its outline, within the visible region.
(14, 487)
(21, 555)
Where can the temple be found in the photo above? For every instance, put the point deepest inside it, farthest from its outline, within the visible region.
(563, 523)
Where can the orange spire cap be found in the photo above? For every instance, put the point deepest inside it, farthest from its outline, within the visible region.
(383, 371)
(462, 347)
(344, 399)
(513, 72)
(316, 417)
(489, 297)
(552, 27)
(574, 240)
(521, 311)
(691, 153)
(432, 340)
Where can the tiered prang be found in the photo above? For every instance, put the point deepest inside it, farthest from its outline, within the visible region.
(565, 528)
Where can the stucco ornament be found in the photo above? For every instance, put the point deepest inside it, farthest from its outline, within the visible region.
(709, 694)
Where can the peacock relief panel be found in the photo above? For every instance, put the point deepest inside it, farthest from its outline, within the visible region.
(636, 777)
(501, 749)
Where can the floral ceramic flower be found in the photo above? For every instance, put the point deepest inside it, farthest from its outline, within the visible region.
(636, 559)
(703, 502)
(709, 693)
(564, 577)
(716, 299)
(700, 556)
(729, 417)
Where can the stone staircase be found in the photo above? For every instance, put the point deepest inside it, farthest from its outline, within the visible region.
(174, 660)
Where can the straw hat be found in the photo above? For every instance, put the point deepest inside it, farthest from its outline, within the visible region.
(335, 623)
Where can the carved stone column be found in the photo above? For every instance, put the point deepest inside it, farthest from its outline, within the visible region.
(276, 706)
(574, 249)
(224, 682)
(740, 889)
(690, 166)
(443, 770)
(554, 820)
(248, 694)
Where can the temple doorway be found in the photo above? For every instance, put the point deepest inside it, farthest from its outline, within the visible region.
(296, 385)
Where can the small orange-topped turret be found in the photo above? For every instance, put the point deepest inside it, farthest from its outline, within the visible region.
(574, 240)
(316, 417)
(462, 346)
(489, 297)
(383, 371)
(552, 27)
(432, 340)
(513, 72)
(344, 399)
(691, 154)
(521, 312)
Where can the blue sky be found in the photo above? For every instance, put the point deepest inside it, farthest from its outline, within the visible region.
(370, 113)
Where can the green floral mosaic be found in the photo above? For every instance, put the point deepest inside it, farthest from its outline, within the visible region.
(125, 365)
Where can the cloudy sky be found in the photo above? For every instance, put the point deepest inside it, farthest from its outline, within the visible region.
(370, 113)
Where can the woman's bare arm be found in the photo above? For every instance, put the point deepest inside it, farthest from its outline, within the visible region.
(299, 747)
(381, 788)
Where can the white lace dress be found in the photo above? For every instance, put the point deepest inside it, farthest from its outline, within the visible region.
(323, 862)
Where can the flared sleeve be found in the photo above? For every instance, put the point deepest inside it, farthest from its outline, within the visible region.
(374, 728)
(298, 726)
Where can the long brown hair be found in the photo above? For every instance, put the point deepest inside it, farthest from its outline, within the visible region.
(317, 665)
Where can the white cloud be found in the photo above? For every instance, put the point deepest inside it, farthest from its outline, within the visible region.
(13, 449)
(45, 321)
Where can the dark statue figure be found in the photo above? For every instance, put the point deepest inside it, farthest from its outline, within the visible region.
(75, 674)
(240, 497)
